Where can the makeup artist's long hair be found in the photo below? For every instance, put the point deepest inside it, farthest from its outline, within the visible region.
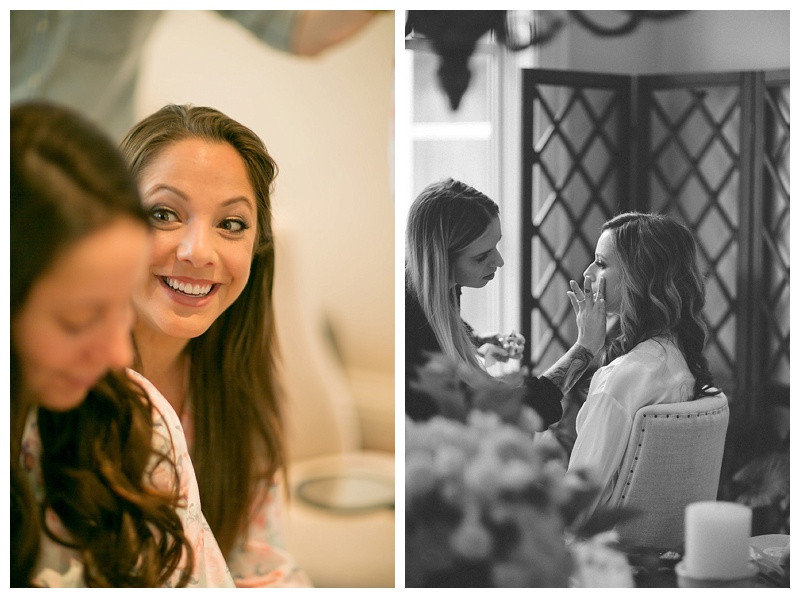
(443, 220)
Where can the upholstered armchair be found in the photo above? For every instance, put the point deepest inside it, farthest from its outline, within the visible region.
(673, 458)
(351, 547)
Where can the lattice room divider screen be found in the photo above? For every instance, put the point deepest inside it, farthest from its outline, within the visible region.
(710, 149)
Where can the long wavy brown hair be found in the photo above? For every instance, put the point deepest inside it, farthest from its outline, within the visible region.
(238, 442)
(663, 293)
(68, 181)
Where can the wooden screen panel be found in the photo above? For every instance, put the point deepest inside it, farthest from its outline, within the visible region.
(774, 229)
(575, 153)
(712, 149)
(691, 167)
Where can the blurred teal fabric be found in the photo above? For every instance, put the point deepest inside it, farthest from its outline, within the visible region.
(89, 59)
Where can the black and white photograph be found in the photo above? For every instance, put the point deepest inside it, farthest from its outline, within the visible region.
(597, 299)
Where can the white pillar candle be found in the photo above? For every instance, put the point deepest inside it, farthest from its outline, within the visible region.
(717, 540)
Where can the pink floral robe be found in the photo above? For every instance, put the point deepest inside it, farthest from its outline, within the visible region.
(258, 558)
(60, 566)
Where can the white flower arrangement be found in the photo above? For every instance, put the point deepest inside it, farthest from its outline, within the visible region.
(487, 501)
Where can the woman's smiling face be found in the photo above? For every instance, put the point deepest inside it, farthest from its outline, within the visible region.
(202, 206)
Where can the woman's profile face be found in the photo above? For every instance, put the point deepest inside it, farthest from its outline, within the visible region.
(76, 322)
(203, 208)
(606, 264)
(475, 265)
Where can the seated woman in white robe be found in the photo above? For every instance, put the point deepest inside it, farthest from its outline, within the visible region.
(654, 286)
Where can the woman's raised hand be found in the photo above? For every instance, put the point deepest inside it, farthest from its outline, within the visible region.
(590, 313)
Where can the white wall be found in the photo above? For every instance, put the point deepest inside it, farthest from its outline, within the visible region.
(703, 40)
(327, 122)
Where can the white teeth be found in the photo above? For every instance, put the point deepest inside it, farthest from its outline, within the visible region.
(188, 289)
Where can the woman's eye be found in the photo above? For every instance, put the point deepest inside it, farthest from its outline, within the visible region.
(234, 225)
(163, 215)
(77, 326)
(72, 328)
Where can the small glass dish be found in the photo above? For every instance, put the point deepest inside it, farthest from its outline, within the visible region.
(348, 492)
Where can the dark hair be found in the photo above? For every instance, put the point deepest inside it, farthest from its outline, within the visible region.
(443, 220)
(68, 181)
(232, 380)
(662, 291)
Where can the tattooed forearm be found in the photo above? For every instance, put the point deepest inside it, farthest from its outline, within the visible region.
(566, 371)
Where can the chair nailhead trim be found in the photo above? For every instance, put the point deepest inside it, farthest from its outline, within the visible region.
(688, 415)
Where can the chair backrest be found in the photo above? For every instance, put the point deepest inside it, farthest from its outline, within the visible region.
(673, 458)
(320, 411)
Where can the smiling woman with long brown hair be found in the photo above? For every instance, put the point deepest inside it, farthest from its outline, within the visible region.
(205, 333)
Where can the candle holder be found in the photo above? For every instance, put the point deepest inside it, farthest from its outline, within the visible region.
(746, 581)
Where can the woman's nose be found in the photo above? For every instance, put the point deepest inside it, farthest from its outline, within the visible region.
(112, 348)
(195, 246)
(120, 343)
(589, 271)
(498, 259)
(120, 350)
